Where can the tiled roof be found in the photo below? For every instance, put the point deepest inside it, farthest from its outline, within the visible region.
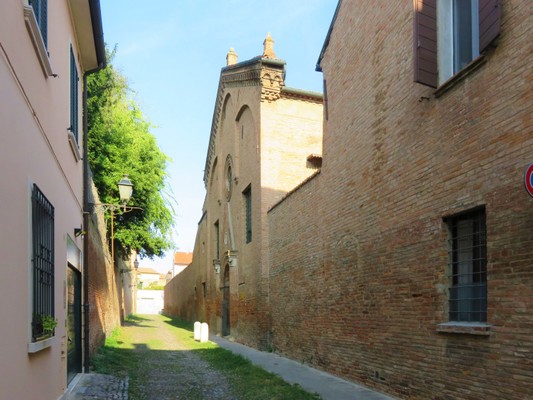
(182, 258)
(147, 271)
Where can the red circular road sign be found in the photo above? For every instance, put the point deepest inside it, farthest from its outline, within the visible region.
(528, 179)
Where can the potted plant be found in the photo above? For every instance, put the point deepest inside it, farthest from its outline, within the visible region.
(49, 324)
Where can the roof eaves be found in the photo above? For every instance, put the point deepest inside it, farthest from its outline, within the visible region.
(328, 35)
(98, 32)
(302, 93)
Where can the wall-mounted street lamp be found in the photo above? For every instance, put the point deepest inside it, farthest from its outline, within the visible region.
(135, 265)
(125, 189)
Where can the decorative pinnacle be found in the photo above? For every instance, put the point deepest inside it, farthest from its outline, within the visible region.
(268, 44)
(231, 57)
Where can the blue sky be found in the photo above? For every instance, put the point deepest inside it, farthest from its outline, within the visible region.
(171, 52)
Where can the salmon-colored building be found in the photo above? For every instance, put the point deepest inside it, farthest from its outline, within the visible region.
(46, 48)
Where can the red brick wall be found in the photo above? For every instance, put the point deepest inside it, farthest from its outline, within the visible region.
(104, 300)
(184, 296)
(359, 255)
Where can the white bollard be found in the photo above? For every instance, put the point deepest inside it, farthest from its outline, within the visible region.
(204, 333)
(197, 329)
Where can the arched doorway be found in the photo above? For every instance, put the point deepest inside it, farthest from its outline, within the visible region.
(225, 303)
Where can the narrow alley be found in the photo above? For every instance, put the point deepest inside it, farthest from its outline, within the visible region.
(154, 357)
(158, 366)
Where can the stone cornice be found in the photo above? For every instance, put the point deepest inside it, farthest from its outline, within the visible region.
(259, 71)
(300, 94)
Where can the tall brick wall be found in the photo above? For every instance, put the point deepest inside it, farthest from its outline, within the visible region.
(364, 244)
(184, 294)
(267, 134)
(104, 293)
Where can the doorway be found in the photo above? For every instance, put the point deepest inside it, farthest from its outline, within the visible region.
(226, 304)
(73, 322)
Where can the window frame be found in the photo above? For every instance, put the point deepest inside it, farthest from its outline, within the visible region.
(426, 38)
(40, 11)
(74, 96)
(35, 29)
(217, 239)
(448, 43)
(42, 263)
(467, 262)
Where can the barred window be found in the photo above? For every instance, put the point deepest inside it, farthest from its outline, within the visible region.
(40, 9)
(42, 262)
(248, 213)
(468, 267)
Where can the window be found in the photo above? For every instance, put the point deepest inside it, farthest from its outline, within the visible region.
(36, 19)
(449, 34)
(73, 95)
(468, 267)
(228, 178)
(40, 9)
(217, 240)
(458, 35)
(248, 213)
(42, 262)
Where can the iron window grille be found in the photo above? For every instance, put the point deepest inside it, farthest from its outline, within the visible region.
(468, 267)
(248, 213)
(40, 9)
(74, 79)
(42, 261)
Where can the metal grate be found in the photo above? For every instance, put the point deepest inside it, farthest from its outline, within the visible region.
(468, 267)
(42, 261)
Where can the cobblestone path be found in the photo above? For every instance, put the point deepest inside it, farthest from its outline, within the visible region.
(169, 370)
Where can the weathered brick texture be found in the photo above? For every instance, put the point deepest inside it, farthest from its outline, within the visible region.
(265, 132)
(358, 255)
(104, 289)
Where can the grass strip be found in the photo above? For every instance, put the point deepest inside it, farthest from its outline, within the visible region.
(248, 381)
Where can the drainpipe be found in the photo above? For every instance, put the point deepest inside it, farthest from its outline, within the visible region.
(98, 35)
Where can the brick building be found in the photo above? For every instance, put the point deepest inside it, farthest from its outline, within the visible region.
(406, 263)
(261, 138)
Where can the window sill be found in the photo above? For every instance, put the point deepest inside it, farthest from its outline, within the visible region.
(458, 77)
(466, 328)
(37, 40)
(74, 146)
(34, 347)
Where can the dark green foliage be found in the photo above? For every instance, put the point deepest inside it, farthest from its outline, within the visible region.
(120, 142)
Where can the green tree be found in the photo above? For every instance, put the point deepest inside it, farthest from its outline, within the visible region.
(120, 142)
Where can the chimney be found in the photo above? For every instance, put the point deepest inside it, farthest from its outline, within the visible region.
(231, 57)
(268, 44)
